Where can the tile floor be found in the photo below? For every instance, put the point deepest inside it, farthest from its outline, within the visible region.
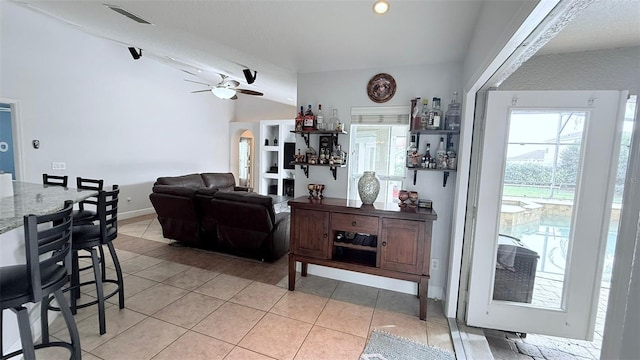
(193, 304)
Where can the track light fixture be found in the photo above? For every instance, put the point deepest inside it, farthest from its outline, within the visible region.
(249, 77)
(135, 54)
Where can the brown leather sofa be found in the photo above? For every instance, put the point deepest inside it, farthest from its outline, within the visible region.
(248, 225)
(186, 213)
(178, 201)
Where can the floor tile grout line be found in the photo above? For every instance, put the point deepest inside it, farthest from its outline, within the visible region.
(141, 251)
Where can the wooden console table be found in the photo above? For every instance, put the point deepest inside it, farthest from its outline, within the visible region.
(382, 239)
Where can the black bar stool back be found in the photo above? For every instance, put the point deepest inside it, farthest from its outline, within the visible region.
(87, 212)
(45, 272)
(55, 180)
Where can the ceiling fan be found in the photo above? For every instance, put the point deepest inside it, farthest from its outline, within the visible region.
(225, 89)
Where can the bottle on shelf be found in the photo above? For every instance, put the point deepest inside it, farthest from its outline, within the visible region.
(309, 120)
(424, 116)
(435, 114)
(334, 121)
(299, 119)
(415, 114)
(441, 155)
(427, 156)
(452, 161)
(452, 116)
(320, 119)
(412, 152)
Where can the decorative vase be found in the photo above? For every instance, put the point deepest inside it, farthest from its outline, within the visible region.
(368, 187)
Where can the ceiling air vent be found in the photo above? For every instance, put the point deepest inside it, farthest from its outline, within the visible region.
(124, 12)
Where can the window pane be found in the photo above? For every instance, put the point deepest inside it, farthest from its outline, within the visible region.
(379, 148)
(543, 159)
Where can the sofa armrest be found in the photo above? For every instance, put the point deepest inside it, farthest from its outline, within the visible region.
(281, 235)
(242, 188)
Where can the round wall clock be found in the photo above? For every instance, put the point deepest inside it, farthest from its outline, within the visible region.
(381, 88)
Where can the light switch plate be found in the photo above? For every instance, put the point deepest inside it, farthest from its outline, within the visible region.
(58, 166)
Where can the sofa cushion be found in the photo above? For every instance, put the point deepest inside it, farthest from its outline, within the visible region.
(174, 190)
(191, 181)
(220, 181)
(249, 197)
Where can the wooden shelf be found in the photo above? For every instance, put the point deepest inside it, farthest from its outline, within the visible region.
(436, 132)
(355, 247)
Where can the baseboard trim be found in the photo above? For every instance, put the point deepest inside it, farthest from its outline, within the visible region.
(135, 213)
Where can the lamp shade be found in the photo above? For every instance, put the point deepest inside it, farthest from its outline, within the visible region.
(223, 92)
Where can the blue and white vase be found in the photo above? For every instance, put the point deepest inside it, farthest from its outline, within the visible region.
(368, 187)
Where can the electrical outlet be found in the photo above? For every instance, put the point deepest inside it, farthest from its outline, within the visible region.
(435, 264)
(58, 166)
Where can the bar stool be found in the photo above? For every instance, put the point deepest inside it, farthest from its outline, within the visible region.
(87, 212)
(87, 215)
(90, 238)
(40, 277)
(56, 180)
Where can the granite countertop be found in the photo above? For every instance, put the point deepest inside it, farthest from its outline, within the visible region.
(37, 199)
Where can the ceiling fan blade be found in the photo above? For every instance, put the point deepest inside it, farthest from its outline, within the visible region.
(197, 82)
(249, 92)
(199, 91)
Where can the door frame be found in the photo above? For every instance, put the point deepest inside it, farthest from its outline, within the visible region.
(16, 129)
(568, 321)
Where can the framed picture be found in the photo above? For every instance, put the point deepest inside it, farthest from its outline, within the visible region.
(381, 88)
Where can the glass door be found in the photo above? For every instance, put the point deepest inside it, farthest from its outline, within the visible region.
(546, 187)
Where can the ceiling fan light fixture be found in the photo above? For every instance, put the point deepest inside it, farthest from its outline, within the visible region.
(380, 7)
(223, 92)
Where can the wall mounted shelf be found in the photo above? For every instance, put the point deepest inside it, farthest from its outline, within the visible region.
(449, 144)
(332, 168)
(306, 134)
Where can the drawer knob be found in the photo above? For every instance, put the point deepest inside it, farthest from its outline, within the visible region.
(353, 223)
(384, 243)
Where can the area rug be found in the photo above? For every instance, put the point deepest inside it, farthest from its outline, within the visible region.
(385, 346)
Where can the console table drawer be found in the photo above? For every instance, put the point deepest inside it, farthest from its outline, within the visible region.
(355, 223)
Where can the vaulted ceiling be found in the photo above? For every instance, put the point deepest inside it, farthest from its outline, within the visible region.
(280, 39)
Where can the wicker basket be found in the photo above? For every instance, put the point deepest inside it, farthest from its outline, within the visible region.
(514, 280)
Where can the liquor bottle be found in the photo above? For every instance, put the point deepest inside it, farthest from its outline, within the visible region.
(424, 117)
(309, 120)
(427, 154)
(334, 121)
(320, 119)
(433, 121)
(452, 116)
(441, 155)
(299, 119)
(412, 152)
(415, 114)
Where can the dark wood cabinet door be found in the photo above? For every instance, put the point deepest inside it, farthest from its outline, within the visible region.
(311, 233)
(402, 245)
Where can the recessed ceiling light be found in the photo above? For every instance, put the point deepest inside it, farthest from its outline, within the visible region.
(381, 6)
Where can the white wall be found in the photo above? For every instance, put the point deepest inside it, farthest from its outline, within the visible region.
(345, 89)
(610, 69)
(255, 108)
(102, 113)
(497, 23)
(248, 113)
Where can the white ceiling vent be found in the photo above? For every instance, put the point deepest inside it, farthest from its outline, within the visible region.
(131, 16)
